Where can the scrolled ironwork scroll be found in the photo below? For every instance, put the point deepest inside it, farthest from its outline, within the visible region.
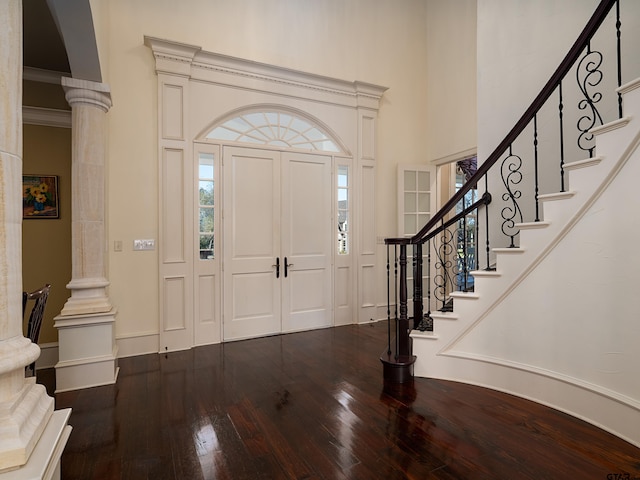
(588, 76)
(445, 261)
(511, 177)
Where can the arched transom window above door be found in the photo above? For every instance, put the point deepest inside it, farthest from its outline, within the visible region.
(274, 128)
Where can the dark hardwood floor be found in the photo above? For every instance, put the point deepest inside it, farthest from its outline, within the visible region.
(312, 405)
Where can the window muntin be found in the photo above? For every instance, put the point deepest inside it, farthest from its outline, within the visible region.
(417, 200)
(206, 207)
(274, 128)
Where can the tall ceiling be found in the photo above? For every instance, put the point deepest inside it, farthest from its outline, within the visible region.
(43, 45)
(59, 36)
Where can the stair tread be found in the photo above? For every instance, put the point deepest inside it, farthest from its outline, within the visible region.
(556, 196)
(469, 295)
(485, 273)
(532, 225)
(508, 250)
(444, 315)
(587, 162)
(607, 127)
(426, 335)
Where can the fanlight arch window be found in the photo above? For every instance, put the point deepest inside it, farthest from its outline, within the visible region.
(274, 128)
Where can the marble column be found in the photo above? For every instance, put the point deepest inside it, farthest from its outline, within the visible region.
(90, 101)
(25, 408)
(86, 336)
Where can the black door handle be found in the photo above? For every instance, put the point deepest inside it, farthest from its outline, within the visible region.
(277, 265)
(286, 267)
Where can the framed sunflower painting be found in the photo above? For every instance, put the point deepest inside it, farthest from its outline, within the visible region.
(40, 196)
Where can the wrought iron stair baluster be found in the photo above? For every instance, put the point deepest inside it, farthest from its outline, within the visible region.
(560, 116)
(511, 176)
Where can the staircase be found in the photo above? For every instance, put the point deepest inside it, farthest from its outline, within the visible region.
(541, 326)
(554, 319)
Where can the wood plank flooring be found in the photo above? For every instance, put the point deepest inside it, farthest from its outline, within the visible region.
(312, 405)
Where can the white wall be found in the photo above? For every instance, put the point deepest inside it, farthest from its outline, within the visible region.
(373, 41)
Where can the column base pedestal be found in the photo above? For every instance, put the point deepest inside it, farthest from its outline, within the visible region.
(44, 461)
(88, 355)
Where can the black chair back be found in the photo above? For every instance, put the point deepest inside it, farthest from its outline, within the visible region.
(40, 297)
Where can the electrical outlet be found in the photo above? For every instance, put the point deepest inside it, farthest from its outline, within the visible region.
(148, 244)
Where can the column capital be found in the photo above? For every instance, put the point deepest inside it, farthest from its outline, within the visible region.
(85, 92)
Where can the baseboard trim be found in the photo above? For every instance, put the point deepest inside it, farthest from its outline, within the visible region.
(48, 355)
(138, 344)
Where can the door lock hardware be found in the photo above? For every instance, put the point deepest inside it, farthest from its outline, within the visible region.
(286, 267)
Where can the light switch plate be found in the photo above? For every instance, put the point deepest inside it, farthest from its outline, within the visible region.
(147, 244)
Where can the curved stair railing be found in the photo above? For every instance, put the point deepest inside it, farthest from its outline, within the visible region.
(440, 254)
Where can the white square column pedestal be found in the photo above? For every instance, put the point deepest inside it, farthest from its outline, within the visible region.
(87, 349)
(44, 461)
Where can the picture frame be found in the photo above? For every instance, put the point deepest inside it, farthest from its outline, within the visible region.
(40, 197)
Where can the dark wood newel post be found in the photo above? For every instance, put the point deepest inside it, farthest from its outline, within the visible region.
(398, 365)
(404, 348)
(418, 308)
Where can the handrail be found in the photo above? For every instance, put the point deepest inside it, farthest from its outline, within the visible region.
(572, 56)
(484, 200)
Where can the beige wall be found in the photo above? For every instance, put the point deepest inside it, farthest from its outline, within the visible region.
(451, 79)
(517, 55)
(395, 44)
(373, 41)
(46, 243)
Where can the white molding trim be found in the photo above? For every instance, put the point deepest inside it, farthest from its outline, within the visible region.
(138, 344)
(607, 127)
(587, 162)
(48, 355)
(47, 117)
(43, 76)
(191, 61)
(628, 87)
(598, 406)
(455, 157)
(44, 461)
(605, 392)
(95, 372)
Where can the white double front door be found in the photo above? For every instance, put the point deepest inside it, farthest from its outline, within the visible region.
(278, 233)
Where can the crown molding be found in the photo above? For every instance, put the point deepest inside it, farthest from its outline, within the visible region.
(191, 61)
(455, 157)
(47, 117)
(43, 76)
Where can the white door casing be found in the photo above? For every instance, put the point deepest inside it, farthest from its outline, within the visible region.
(197, 90)
(277, 242)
